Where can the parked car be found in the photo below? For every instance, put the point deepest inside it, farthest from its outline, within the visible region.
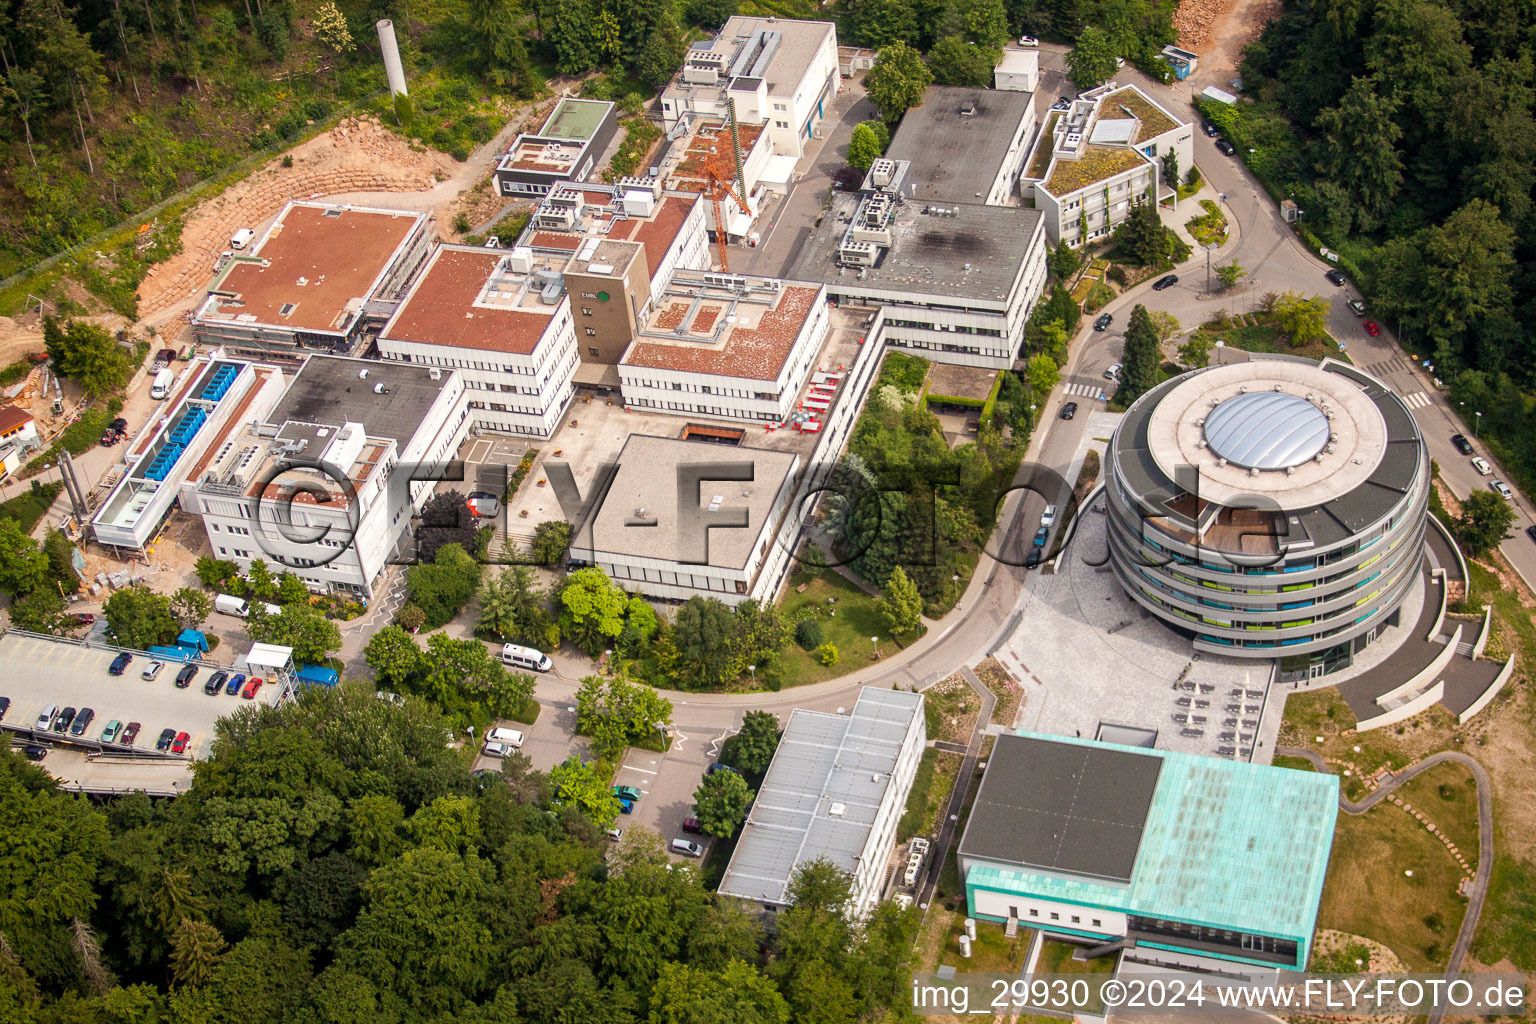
(179, 744)
(629, 793)
(1028, 41)
(687, 848)
(119, 663)
(5, 705)
(165, 357)
(1530, 531)
(1481, 465)
(1113, 373)
(1032, 560)
(45, 718)
(215, 683)
(1069, 410)
(1041, 535)
(82, 721)
(494, 749)
(1499, 487)
(1356, 307)
(130, 733)
(1225, 148)
(1048, 517)
(152, 670)
(483, 505)
(615, 834)
(167, 737)
(186, 675)
(691, 826)
(84, 619)
(64, 721)
(626, 807)
(252, 687)
(1165, 282)
(34, 752)
(1211, 131)
(1461, 444)
(720, 767)
(1336, 278)
(1372, 328)
(236, 681)
(112, 731)
(1103, 322)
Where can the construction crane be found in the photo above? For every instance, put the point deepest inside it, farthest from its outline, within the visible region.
(717, 188)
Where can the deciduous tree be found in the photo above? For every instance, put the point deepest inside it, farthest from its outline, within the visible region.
(863, 147)
(957, 61)
(23, 566)
(1302, 319)
(191, 606)
(592, 610)
(897, 81)
(1091, 61)
(720, 803)
(879, 23)
(138, 617)
(580, 786)
(900, 605)
(1484, 522)
(756, 742)
(313, 637)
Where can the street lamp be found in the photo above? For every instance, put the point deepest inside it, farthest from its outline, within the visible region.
(1208, 250)
(753, 670)
(876, 641)
(1477, 423)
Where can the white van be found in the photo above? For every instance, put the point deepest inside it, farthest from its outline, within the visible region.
(231, 605)
(687, 848)
(525, 657)
(161, 388)
(507, 737)
(242, 238)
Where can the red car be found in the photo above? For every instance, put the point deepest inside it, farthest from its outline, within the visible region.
(128, 735)
(1372, 328)
(84, 619)
(179, 744)
(251, 687)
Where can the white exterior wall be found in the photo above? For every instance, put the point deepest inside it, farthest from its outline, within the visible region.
(689, 250)
(799, 114)
(761, 577)
(1041, 913)
(1063, 213)
(1013, 161)
(869, 876)
(532, 390)
(734, 398)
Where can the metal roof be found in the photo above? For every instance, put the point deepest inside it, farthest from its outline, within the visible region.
(1266, 430)
(822, 792)
(1116, 132)
(1225, 843)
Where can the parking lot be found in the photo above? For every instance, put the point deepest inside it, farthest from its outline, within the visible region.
(38, 672)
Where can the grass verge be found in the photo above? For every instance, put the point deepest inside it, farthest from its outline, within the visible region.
(30, 505)
(848, 619)
(931, 786)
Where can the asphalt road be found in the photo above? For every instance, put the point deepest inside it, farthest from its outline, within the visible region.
(1479, 891)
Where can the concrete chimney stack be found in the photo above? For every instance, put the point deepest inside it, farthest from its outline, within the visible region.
(392, 69)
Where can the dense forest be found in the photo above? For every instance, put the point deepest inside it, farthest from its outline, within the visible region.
(335, 861)
(1405, 131)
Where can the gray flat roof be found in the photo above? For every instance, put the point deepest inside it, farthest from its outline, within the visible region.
(327, 390)
(1061, 807)
(977, 252)
(954, 155)
(647, 480)
(825, 763)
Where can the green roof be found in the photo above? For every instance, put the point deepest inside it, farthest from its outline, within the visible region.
(1225, 843)
(577, 120)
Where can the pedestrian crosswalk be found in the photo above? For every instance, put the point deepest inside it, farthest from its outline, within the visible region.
(1417, 400)
(1081, 390)
(1386, 366)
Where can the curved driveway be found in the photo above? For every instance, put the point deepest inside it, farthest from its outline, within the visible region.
(1479, 891)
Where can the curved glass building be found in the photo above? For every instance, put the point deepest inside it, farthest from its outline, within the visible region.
(1271, 508)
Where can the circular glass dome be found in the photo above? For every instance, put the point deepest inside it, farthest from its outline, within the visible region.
(1266, 430)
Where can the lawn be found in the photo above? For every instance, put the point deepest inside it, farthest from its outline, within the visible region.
(1324, 713)
(848, 618)
(951, 706)
(1251, 334)
(31, 504)
(931, 788)
(1368, 891)
(1056, 958)
(991, 953)
(1447, 795)
(1211, 226)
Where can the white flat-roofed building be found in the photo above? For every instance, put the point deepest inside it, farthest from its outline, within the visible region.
(726, 346)
(1017, 71)
(321, 485)
(957, 280)
(315, 281)
(777, 72)
(644, 534)
(212, 397)
(1096, 159)
(501, 318)
(964, 145)
(835, 790)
